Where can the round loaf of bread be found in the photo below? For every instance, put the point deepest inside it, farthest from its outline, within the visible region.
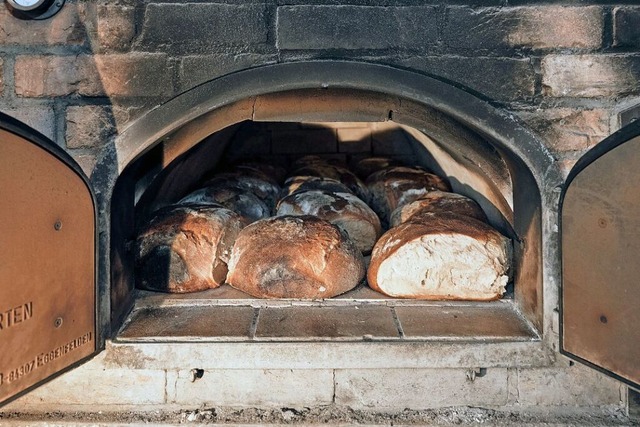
(370, 165)
(186, 248)
(294, 257)
(298, 183)
(275, 172)
(345, 176)
(448, 257)
(345, 210)
(231, 197)
(265, 189)
(437, 202)
(394, 187)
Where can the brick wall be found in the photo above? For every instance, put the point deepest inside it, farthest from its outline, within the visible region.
(96, 66)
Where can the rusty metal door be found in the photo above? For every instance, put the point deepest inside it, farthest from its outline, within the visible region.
(47, 261)
(600, 233)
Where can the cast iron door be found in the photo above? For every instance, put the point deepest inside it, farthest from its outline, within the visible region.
(47, 261)
(600, 232)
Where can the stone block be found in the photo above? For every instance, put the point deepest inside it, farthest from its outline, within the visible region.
(1, 76)
(40, 117)
(65, 28)
(389, 142)
(141, 75)
(497, 78)
(626, 26)
(350, 323)
(541, 27)
(232, 323)
(574, 386)
(195, 70)
(566, 129)
(87, 162)
(94, 387)
(397, 389)
(229, 387)
(116, 27)
(356, 27)
(89, 126)
(354, 140)
(321, 140)
(590, 76)
(200, 27)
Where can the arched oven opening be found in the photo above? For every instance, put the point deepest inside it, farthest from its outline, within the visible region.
(345, 124)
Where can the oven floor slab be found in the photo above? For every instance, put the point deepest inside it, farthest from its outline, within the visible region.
(157, 319)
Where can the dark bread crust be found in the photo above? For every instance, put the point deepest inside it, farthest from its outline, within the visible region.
(265, 190)
(294, 257)
(437, 202)
(344, 210)
(447, 223)
(393, 187)
(186, 248)
(370, 165)
(299, 183)
(232, 197)
(345, 176)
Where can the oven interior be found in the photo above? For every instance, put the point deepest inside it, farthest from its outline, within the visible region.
(346, 126)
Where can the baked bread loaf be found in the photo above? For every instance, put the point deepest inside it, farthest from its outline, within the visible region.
(296, 184)
(274, 172)
(394, 187)
(265, 189)
(344, 210)
(437, 202)
(186, 248)
(231, 197)
(370, 165)
(294, 257)
(448, 257)
(345, 176)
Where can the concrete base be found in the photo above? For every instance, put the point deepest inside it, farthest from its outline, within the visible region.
(365, 376)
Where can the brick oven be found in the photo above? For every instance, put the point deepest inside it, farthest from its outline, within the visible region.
(502, 97)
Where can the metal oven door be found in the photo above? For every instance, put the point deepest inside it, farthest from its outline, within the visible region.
(47, 261)
(600, 241)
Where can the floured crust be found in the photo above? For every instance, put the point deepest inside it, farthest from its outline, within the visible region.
(299, 183)
(394, 187)
(339, 173)
(344, 210)
(448, 257)
(437, 202)
(231, 197)
(265, 190)
(186, 248)
(294, 257)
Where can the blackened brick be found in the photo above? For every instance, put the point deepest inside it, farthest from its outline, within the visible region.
(543, 27)
(199, 27)
(141, 75)
(566, 129)
(496, 78)
(626, 26)
(89, 126)
(590, 76)
(195, 70)
(40, 117)
(65, 28)
(355, 27)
